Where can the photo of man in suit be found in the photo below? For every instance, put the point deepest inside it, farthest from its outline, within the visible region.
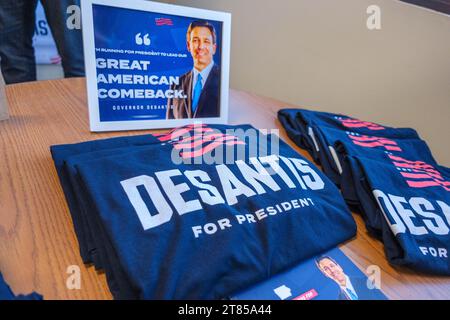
(201, 85)
(350, 288)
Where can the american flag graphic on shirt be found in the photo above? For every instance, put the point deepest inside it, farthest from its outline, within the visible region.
(373, 142)
(355, 123)
(419, 174)
(196, 140)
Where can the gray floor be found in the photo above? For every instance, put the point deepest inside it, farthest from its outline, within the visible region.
(48, 72)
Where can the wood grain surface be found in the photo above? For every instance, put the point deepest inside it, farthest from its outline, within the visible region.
(37, 241)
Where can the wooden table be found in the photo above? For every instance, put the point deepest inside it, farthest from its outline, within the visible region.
(37, 241)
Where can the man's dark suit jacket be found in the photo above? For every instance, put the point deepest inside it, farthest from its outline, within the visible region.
(209, 103)
(363, 292)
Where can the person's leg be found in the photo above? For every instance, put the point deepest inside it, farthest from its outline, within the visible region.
(69, 42)
(17, 23)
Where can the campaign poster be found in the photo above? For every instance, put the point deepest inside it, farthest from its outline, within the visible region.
(157, 69)
(330, 276)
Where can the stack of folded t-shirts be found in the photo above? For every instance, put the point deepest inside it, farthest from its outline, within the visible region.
(201, 212)
(387, 174)
(7, 294)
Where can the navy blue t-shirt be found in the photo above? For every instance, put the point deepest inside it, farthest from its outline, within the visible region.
(100, 245)
(209, 230)
(7, 294)
(301, 126)
(60, 153)
(337, 145)
(403, 194)
(94, 246)
(412, 198)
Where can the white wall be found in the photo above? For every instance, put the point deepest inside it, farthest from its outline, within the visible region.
(320, 54)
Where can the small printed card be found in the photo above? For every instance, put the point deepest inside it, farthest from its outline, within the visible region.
(331, 276)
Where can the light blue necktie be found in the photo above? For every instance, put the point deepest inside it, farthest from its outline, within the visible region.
(197, 92)
(351, 294)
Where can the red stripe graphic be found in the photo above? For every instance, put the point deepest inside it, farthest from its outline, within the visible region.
(208, 148)
(415, 175)
(428, 183)
(419, 174)
(311, 294)
(363, 138)
(355, 123)
(55, 60)
(388, 141)
(176, 133)
(397, 158)
(432, 173)
(196, 140)
(422, 167)
(377, 144)
(193, 142)
(373, 142)
(163, 21)
(425, 176)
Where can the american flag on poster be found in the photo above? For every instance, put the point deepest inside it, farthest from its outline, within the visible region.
(163, 22)
(419, 174)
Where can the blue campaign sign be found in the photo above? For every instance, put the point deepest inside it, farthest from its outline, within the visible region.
(155, 65)
(331, 276)
(137, 51)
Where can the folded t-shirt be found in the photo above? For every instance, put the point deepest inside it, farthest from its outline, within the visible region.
(349, 145)
(97, 245)
(204, 230)
(7, 294)
(94, 246)
(336, 145)
(300, 126)
(60, 153)
(413, 199)
(101, 245)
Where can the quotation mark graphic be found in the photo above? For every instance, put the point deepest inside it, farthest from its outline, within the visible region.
(142, 40)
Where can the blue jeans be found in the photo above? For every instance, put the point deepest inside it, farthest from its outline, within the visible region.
(17, 23)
